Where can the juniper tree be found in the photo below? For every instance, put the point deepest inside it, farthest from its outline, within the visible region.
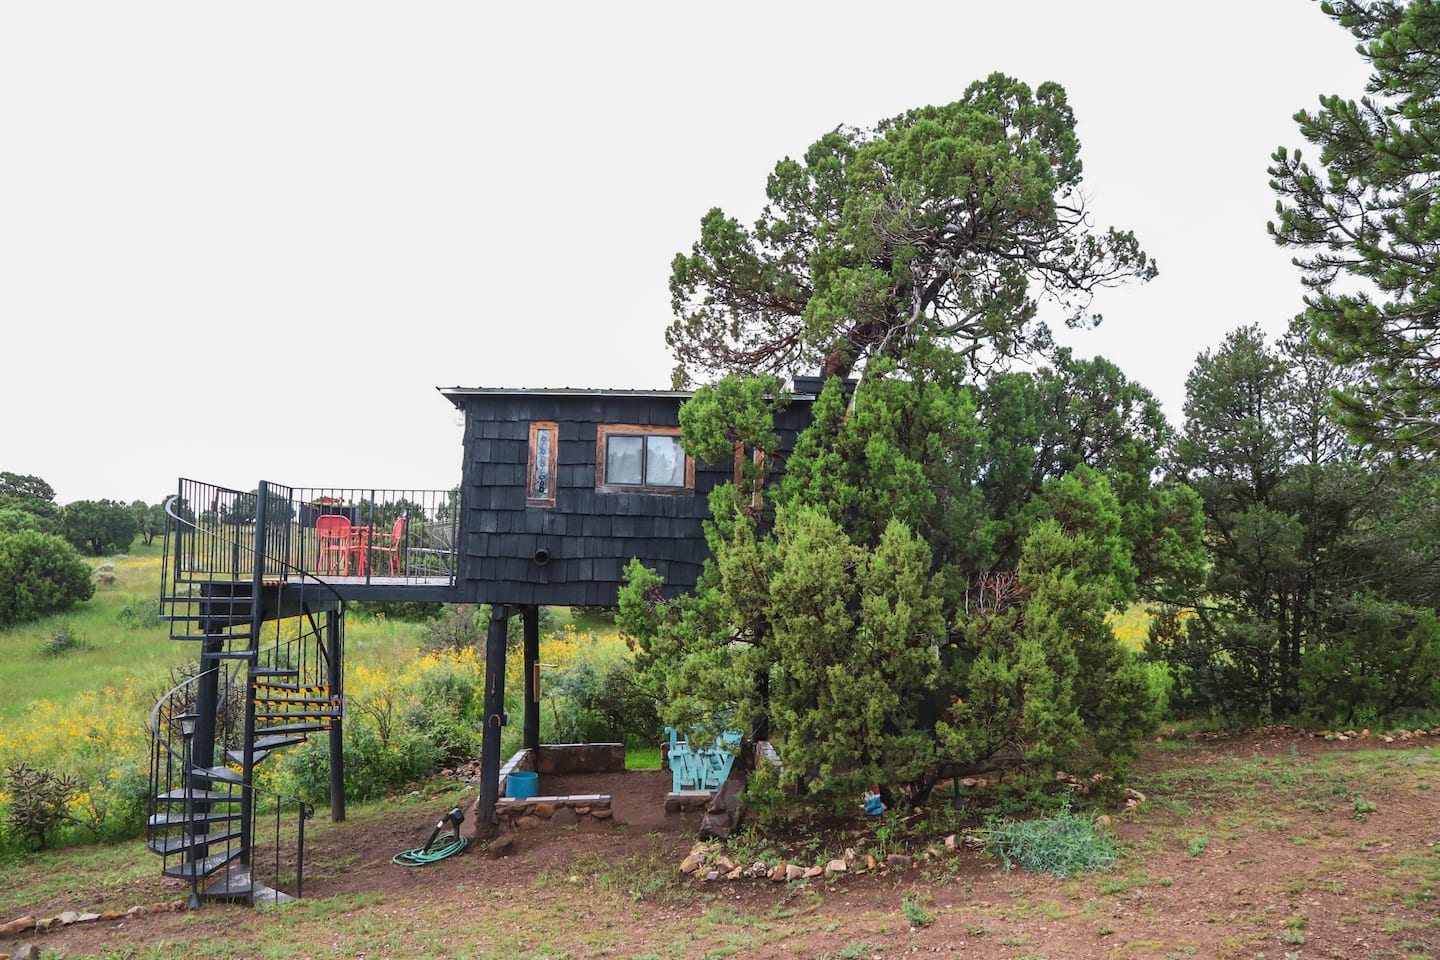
(946, 222)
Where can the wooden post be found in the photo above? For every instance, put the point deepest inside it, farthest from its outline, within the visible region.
(531, 617)
(494, 717)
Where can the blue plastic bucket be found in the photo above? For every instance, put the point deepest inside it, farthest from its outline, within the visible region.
(521, 785)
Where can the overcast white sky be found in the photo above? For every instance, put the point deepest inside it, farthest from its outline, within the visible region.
(248, 241)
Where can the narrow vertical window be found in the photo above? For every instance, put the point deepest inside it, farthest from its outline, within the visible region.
(541, 490)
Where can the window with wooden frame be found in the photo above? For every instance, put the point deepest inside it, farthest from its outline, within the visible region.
(544, 444)
(636, 459)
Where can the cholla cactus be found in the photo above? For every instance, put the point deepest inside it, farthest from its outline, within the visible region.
(38, 801)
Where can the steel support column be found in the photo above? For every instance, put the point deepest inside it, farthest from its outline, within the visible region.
(530, 616)
(494, 716)
(335, 677)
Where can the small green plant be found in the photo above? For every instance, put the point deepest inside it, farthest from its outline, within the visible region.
(1061, 844)
(1198, 845)
(62, 640)
(38, 802)
(137, 614)
(104, 575)
(915, 912)
(1363, 807)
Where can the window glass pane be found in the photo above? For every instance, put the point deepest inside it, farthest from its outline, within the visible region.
(623, 459)
(664, 462)
(542, 465)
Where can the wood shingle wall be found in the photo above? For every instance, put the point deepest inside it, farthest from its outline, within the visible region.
(574, 552)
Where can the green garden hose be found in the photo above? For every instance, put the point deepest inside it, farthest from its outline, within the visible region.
(437, 847)
(431, 853)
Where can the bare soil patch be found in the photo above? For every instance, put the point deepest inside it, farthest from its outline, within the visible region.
(1246, 846)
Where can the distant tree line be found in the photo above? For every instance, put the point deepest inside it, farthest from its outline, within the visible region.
(41, 570)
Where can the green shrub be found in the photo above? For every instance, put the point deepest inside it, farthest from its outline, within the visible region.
(1378, 661)
(767, 804)
(373, 767)
(455, 627)
(599, 699)
(1062, 844)
(62, 640)
(137, 614)
(445, 712)
(39, 574)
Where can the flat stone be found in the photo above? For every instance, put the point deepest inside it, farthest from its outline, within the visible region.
(836, 866)
(602, 813)
(136, 911)
(18, 925)
(777, 873)
(26, 951)
(812, 872)
(793, 871)
(528, 822)
(68, 917)
(545, 810)
(502, 846)
(113, 915)
(583, 809)
(691, 864)
(565, 816)
(898, 861)
(87, 918)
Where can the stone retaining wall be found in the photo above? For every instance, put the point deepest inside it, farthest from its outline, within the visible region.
(533, 811)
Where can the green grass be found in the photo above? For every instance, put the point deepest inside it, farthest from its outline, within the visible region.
(113, 650)
(642, 758)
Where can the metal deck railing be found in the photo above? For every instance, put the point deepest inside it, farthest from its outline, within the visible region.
(218, 543)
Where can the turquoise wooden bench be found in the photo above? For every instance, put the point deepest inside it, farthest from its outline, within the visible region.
(701, 768)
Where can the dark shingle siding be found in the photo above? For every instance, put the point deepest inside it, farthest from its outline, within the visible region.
(590, 536)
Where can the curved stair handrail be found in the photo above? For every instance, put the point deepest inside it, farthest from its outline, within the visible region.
(214, 835)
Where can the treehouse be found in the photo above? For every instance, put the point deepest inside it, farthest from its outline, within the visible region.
(559, 490)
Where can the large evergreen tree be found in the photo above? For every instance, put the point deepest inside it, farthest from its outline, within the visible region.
(1364, 218)
(946, 222)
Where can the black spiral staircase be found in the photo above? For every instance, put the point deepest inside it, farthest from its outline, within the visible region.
(268, 639)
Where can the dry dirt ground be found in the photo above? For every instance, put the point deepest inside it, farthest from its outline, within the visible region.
(1281, 864)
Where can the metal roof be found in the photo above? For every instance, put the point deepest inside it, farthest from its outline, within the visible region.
(456, 394)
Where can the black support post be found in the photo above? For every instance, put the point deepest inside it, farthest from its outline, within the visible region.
(494, 716)
(531, 618)
(334, 650)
